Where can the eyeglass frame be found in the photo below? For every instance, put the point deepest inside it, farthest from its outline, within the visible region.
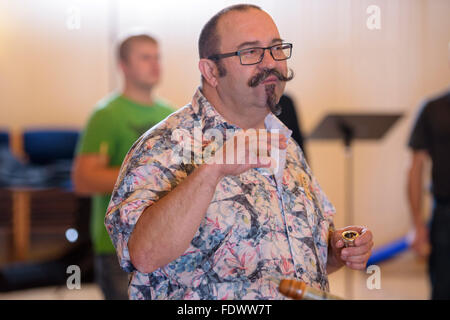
(219, 56)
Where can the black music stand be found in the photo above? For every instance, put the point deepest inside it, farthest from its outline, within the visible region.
(348, 128)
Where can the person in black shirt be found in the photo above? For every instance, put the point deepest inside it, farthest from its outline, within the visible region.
(290, 118)
(430, 139)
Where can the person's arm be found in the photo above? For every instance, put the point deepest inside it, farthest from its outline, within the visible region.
(165, 229)
(91, 171)
(415, 196)
(92, 175)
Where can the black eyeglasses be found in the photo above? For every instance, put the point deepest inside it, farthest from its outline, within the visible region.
(279, 52)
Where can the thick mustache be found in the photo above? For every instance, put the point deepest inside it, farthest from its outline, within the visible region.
(260, 77)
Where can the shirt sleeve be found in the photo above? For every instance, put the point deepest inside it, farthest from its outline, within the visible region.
(98, 132)
(324, 220)
(327, 207)
(419, 139)
(146, 175)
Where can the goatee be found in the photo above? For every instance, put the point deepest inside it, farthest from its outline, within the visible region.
(271, 99)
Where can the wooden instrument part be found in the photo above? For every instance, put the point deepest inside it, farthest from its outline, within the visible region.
(298, 290)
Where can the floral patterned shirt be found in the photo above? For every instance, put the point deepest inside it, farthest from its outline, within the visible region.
(256, 231)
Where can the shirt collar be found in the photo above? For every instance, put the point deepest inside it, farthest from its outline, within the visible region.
(207, 114)
(272, 122)
(210, 118)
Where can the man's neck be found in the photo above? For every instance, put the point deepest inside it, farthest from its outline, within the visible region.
(241, 116)
(138, 95)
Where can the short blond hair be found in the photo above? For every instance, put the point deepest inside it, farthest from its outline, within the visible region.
(123, 48)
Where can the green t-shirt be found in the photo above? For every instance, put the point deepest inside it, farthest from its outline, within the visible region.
(115, 125)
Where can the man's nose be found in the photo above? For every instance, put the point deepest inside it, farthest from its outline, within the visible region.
(267, 61)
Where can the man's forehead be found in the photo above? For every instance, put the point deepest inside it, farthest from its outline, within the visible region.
(246, 28)
(255, 43)
(143, 46)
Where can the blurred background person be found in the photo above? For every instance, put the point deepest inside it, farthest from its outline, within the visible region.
(116, 123)
(291, 118)
(430, 140)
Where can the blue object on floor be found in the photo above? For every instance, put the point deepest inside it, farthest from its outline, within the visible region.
(389, 251)
(44, 146)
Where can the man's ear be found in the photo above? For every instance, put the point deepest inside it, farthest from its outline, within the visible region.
(209, 71)
(122, 66)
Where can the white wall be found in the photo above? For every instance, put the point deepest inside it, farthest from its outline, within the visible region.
(50, 73)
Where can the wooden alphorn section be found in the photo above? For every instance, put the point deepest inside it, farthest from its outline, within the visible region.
(298, 290)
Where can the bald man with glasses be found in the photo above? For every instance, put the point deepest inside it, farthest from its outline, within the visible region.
(220, 226)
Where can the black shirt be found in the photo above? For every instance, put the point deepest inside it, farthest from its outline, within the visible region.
(432, 133)
(290, 118)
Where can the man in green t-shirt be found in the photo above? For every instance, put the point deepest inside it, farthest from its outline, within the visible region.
(116, 123)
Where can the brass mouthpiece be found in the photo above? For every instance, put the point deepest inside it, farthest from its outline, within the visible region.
(349, 238)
